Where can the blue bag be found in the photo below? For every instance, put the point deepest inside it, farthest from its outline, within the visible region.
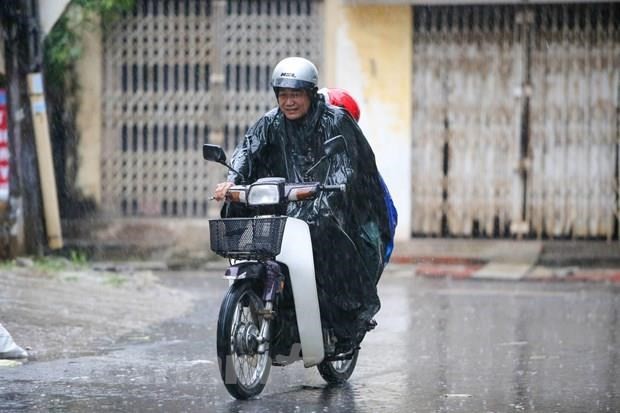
(392, 219)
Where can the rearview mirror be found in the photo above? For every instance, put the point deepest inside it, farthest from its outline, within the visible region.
(334, 145)
(213, 153)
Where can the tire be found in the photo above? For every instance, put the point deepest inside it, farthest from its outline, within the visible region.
(243, 370)
(338, 371)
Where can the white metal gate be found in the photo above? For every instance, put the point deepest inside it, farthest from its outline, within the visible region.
(516, 120)
(179, 73)
(575, 76)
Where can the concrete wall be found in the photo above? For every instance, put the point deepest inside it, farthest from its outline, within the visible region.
(369, 53)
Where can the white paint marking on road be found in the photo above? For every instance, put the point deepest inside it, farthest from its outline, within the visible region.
(80, 378)
(514, 343)
(195, 362)
(501, 293)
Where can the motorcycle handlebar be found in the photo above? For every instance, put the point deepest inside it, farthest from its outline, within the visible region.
(333, 188)
(293, 192)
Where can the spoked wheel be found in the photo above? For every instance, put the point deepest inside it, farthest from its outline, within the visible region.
(338, 371)
(244, 370)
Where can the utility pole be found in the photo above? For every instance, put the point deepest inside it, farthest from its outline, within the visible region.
(21, 46)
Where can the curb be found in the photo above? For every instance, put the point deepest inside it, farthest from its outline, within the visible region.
(458, 268)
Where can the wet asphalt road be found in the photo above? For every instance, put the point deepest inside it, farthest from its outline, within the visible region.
(442, 345)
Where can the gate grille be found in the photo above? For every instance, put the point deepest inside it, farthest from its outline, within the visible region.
(180, 73)
(464, 119)
(574, 121)
(516, 120)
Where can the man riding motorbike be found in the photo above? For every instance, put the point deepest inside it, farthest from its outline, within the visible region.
(350, 230)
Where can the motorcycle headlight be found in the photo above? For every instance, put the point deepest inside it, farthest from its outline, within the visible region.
(264, 195)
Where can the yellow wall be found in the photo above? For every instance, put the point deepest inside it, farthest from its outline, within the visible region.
(89, 117)
(368, 51)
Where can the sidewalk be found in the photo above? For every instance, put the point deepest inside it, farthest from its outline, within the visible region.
(178, 244)
(594, 261)
(58, 309)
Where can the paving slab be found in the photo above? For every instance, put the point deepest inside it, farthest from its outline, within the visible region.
(502, 271)
(449, 250)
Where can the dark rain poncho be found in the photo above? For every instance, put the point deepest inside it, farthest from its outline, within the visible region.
(349, 230)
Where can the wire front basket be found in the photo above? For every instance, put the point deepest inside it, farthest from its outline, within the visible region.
(247, 238)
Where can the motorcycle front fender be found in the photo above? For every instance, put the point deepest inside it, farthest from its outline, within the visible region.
(246, 269)
(296, 253)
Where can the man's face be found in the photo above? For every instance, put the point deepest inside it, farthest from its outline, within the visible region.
(294, 103)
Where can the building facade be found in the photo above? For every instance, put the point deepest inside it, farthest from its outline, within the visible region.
(486, 121)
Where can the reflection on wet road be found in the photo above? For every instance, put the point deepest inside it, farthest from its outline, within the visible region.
(441, 346)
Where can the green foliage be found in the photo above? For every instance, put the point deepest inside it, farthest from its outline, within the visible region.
(50, 264)
(78, 258)
(57, 263)
(115, 280)
(63, 45)
(7, 265)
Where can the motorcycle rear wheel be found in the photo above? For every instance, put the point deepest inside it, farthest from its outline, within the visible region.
(338, 371)
(243, 370)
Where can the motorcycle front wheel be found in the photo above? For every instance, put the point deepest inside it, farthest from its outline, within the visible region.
(243, 369)
(337, 371)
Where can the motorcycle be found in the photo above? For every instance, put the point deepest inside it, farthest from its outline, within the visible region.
(270, 314)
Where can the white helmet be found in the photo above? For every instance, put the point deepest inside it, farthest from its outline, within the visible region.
(295, 73)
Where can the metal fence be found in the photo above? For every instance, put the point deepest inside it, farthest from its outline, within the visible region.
(516, 120)
(575, 76)
(179, 73)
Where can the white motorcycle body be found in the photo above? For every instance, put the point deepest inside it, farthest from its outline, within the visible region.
(296, 253)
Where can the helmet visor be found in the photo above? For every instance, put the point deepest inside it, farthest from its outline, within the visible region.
(289, 83)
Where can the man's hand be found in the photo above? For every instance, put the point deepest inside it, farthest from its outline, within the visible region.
(221, 189)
